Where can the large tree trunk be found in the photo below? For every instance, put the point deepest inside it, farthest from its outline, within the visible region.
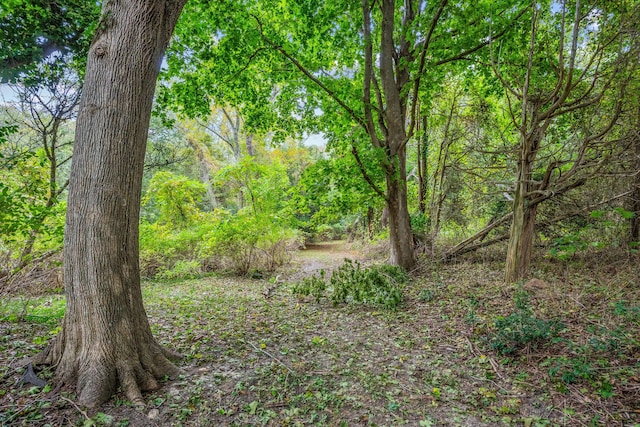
(400, 234)
(105, 340)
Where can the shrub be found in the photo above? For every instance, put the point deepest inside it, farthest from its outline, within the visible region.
(314, 286)
(240, 243)
(377, 286)
(162, 246)
(521, 328)
(245, 242)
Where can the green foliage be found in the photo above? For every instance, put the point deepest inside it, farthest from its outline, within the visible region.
(521, 328)
(603, 228)
(377, 286)
(420, 223)
(257, 186)
(30, 31)
(175, 198)
(24, 199)
(327, 232)
(331, 193)
(178, 239)
(182, 269)
(46, 309)
(245, 242)
(315, 286)
(566, 246)
(220, 240)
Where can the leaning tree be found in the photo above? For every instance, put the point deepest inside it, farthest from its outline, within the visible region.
(106, 341)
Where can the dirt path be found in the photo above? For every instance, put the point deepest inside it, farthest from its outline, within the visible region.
(321, 256)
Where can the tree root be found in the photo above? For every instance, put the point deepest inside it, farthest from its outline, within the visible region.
(96, 379)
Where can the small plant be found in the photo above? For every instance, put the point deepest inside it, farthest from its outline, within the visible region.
(426, 295)
(565, 247)
(569, 370)
(521, 328)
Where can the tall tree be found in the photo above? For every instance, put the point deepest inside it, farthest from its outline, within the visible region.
(106, 341)
(363, 65)
(582, 81)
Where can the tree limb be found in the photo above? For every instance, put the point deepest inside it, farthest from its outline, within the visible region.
(366, 176)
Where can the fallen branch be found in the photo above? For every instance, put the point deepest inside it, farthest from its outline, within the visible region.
(76, 406)
(467, 245)
(271, 356)
(458, 249)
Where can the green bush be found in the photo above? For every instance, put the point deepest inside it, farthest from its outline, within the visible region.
(521, 328)
(182, 269)
(328, 232)
(162, 246)
(377, 286)
(220, 241)
(244, 242)
(178, 239)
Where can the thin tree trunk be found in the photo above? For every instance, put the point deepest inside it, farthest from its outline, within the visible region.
(423, 152)
(106, 341)
(634, 235)
(251, 149)
(524, 217)
(400, 234)
(438, 195)
(370, 218)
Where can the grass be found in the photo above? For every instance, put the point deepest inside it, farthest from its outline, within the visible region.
(292, 361)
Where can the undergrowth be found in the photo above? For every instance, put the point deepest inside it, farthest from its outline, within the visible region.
(521, 329)
(377, 286)
(255, 359)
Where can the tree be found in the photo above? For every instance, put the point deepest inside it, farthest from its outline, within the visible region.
(564, 107)
(106, 341)
(47, 101)
(364, 66)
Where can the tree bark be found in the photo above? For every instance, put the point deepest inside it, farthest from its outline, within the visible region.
(634, 235)
(520, 237)
(524, 211)
(400, 234)
(105, 340)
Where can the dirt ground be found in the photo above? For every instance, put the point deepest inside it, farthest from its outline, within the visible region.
(255, 354)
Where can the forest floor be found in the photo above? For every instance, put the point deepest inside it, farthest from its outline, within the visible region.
(255, 354)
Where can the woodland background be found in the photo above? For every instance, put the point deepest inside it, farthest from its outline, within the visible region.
(507, 132)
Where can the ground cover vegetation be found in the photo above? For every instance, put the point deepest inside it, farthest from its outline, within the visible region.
(479, 163)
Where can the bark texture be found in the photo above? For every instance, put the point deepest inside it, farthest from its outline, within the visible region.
(634, 235)
(522, 227)
(105, 340)
(400, 234)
